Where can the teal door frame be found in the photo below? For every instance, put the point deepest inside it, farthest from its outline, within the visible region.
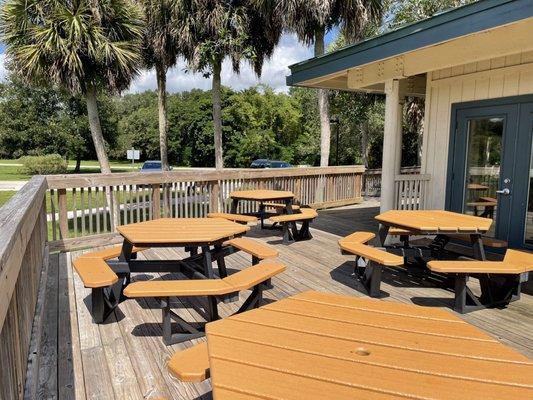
(517, 112)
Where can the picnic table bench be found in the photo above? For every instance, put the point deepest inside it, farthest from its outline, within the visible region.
(290, 228)
(256, 277)
(500, 280)
(370, 273)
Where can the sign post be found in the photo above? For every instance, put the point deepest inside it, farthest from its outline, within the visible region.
(133, 155)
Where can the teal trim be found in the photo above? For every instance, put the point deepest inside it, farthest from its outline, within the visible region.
(448, 25)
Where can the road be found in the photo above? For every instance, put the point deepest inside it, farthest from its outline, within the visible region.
(11, 185)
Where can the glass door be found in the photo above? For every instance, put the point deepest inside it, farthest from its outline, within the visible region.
(481, 166)
(490, 169)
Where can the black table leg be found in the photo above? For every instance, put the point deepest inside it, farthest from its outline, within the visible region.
(208, 262)
(288, 206)
(477, 244)
(234, 205)
(383, 233)
(262, 214)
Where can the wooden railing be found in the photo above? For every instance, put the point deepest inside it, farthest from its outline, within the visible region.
(410, 191)
(372, 180)
(85, 209)
(23, 255)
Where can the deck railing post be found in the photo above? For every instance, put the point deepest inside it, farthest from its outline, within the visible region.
(63, 212)
(156, 201)
(214, 199)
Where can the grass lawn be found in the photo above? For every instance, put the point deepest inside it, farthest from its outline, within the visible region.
(5, 196)
(13, 171)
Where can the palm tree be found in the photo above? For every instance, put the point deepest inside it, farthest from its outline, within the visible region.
(212, 30)
(310, 20)
(161, 47)
(82, 46)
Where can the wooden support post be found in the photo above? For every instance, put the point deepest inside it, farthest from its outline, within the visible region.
(156, 202)
(214, 203)
(63, 212)
(391, 141)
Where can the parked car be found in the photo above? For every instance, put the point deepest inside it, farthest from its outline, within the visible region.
(279, 164)
(264, 163)
(260, 163)
(152, 166)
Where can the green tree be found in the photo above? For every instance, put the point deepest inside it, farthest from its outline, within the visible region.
(212, 30)
(408, 11)
(161, 47)
(310, 20)
(82, 46)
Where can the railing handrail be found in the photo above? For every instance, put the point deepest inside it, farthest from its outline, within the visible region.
(17, 220)
(412, 177)
(139, 178)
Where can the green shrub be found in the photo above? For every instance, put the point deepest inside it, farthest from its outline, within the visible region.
(44, 165)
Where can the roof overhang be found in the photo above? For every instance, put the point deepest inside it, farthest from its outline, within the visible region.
(476, 32)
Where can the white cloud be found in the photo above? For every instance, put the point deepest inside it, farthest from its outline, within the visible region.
(288, 51)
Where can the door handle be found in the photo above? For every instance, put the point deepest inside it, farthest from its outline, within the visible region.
(505, 191)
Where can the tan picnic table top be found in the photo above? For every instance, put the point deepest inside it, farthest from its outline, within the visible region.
(181, 231)
(327, 346)
(435, 221)
(261, 195)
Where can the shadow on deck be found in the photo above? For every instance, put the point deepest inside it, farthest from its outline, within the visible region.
(126, 358)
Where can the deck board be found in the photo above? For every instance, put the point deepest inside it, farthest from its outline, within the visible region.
(125, 358)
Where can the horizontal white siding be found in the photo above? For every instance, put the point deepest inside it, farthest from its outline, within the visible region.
(498, 77)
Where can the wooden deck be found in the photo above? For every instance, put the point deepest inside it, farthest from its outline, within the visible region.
(125, 357)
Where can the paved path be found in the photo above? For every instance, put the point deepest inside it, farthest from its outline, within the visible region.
(11, 185)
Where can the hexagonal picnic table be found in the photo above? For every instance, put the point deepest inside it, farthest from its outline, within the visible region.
(328, 346)
(262, 196)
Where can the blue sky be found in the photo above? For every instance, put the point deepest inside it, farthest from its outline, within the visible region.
(289, 51)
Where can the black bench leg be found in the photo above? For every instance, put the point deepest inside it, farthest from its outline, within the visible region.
(287, 237)
(98, 305)
(254, 300)
(460, 293)
(170, 338)
(305, 233)
(372, 279)
(212, 308)
(105, 300)
(255, 260)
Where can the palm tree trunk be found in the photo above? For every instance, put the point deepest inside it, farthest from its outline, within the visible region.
(161, 74)
(96, 131)
(162, 108)
(323, 107)
(98, 140)
(217, 114)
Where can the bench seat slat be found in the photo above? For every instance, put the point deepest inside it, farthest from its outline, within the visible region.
(358, 237)
(175, 288)
(190, 365)
(514, 262)
(109, 253)
(281, 206)
(475, 267)
(94, 272)
(303, 215)
(244, 279)
(487, 241)
(374, 254)
(242, 219)
(253, 247)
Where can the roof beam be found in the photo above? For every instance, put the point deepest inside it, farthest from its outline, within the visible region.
(501, 41)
